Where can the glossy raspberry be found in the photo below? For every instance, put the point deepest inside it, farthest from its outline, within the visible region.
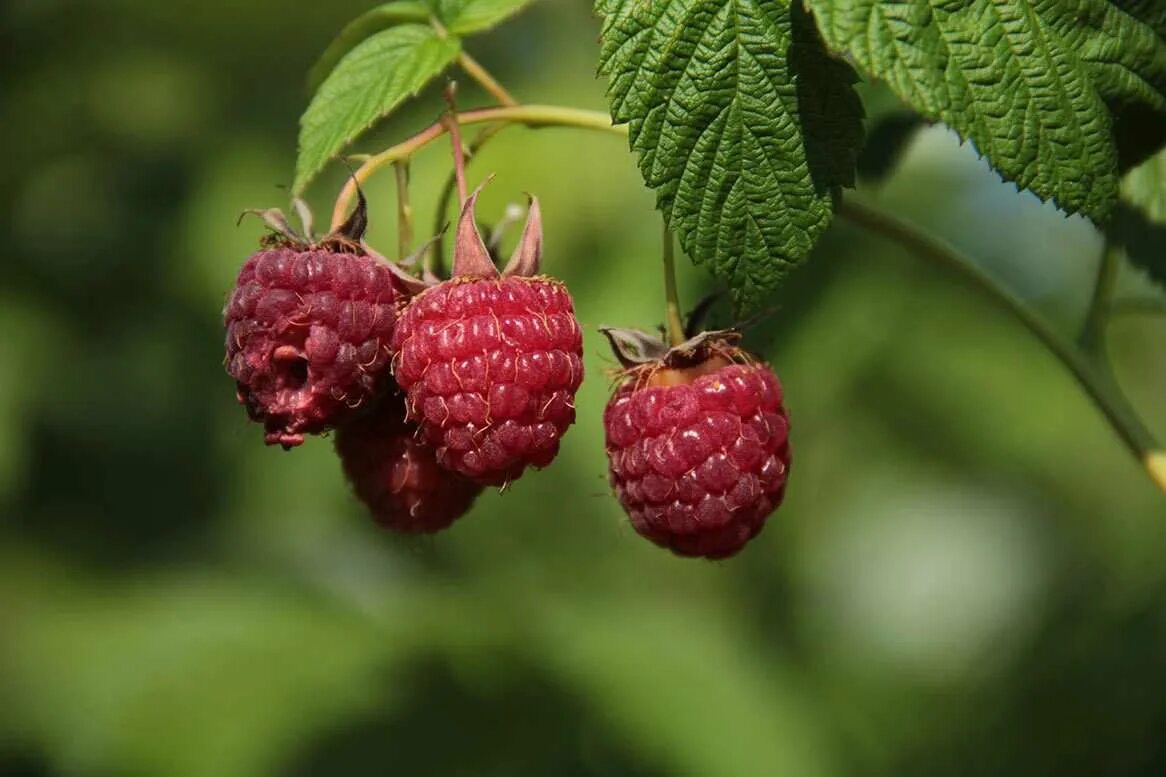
(396, 474)
(490, 368)
(308, 333)
(699, 457)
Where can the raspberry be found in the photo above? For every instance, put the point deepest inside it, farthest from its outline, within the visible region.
(490, 363)
(308, 330)
(396, 474)
(697, 447)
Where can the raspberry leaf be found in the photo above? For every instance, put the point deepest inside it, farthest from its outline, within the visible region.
(368, 83)
(463, 17)
(459, 17)
(368, 23)
(743, 124)
(1037, 85)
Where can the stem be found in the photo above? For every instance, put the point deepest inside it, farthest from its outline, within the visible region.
(1092, 338)
(459, 157)
(404, 209)
(1094, 377)
(475, 71)
(531, 115)
(439, 220)
(673, 322)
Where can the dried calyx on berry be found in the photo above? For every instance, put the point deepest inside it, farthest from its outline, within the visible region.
(308, 326)
(490, 361)
(697, 440)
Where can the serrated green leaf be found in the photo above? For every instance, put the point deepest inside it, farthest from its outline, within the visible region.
(1030, 82)
(368, 23)
(467, 16)
(367, 84)
(1140, 222)
(743, 124)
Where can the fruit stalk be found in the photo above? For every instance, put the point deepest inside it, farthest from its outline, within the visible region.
(404, 209)
(673, 321)
(440, 213)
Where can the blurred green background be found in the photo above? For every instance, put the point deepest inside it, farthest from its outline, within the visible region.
(967, 576)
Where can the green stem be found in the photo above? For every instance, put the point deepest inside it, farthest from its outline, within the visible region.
(1092, 338)
(673, 321)
(530, 115)
(1094, 377)
(437, 250)
(474, 70)
(404, 209)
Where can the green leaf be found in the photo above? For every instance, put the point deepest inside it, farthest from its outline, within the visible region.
(1151, 12)
(1030, 82)
(368, 23)
(743, 124)
(1140, 221)
(459, 17)
(367, 84)
(466, 16)
(1122, 48)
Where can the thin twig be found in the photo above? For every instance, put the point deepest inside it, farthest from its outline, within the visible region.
(404, 209)
(455, 138)
(437, 250)
(475, 71)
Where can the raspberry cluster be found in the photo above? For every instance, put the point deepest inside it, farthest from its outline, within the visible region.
(320, 335)
(441, 388)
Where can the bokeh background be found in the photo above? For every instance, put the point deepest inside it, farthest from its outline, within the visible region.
(967, 576)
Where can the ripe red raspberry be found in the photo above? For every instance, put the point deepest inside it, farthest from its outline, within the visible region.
(490, 363)
(697, 446)
(308, 330)
(396, 474)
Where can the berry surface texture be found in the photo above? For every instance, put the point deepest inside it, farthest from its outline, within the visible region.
(699, 456)
(307, 338)
(490, 368)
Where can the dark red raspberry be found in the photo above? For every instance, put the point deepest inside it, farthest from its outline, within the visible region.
(490, 363)
(698, 454)
(396, 474)
(308, 331)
